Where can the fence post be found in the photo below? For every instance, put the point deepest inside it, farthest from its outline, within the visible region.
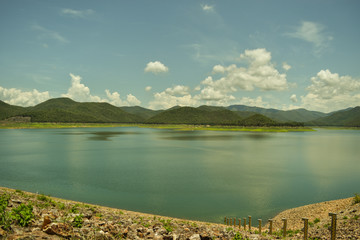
(259, 226)
(227, 223)
(284, 228)
(333, 225)
(306, 225)
(239, 223)
(244, 224)
(249, 223)
(225, 220)
(230, 222)
(270, 226)
(234, 222)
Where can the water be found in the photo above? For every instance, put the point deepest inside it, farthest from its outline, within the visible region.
(198, 175)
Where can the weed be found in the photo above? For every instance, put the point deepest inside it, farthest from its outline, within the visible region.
(326, 225)
(356, 217)
(5, 217)
(61, 205)
(311, 224)
(22, 214)
(43, 198)
(78, 221)
(317, 220)
(237, 236)
(345, 217)
(229, 229)
(74, 209)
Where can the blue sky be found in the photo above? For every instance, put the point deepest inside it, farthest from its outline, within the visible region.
(157, 54)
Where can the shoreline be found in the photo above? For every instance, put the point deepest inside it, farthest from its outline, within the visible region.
(55, 217)
(179, 127)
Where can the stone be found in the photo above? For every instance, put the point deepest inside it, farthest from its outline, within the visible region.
(195, 237)
(60, 229)
(46, 222)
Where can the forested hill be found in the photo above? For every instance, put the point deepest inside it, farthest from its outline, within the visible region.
(348, 118)
(67, 110)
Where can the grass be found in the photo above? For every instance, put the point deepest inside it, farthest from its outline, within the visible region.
(182, 127)
(356, 198)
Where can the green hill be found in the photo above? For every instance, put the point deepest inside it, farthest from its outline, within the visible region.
(141, 112)
(346, 118)
(296, 115)
(7, 110)
(190, 115)
(67, 110)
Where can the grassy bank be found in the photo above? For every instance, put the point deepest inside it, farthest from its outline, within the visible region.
(180, 127)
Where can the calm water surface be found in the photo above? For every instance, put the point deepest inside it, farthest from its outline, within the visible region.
(199, 175)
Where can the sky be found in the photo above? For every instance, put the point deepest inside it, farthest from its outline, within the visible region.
(157, 54)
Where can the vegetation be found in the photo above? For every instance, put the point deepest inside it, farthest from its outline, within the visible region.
(356, 198)
(67, 111)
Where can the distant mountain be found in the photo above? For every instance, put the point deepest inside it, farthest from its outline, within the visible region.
(190, 115)
(141, 112)
(348, 118)
(67, 110)
(296, 115)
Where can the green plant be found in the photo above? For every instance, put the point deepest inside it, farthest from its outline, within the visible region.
(22, 214)
(74, 209)
(311, 224)
(237, 236)
(345, 217)
(78, 221)
(5, 217)
(356, 217)
(60, 205)
(356, 198)
(317, 220)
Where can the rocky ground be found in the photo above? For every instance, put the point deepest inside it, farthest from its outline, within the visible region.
(26, 215)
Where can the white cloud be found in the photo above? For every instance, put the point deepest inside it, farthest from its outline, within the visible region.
(164, 100)
(49, 34)
(156, 67)
(79, 92)
(313, 33)
(178, 90)
(77, 13)
(148, 88)
(207, 8)
(293, 98)
(114, 99)
(330, 91)
(260, 74)
(286, 66)
(257, 102)
(18, 97)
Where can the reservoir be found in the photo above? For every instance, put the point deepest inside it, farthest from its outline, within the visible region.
(197, 175)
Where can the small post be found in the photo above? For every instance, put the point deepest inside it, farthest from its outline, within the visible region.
(306, 226)
(239, 223)
(259, 226)
(284, 227)
(333, 225)
(234, 222)
(270, 226)
(244, 224)
(225, 220)
(230, 221)
(249, 223)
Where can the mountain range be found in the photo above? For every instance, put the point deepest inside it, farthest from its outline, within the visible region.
(67, 110)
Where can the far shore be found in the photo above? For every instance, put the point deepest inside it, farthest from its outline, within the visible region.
(180, 127)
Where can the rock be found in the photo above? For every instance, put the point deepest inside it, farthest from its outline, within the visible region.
(46, 222)
(195, 237)
(60, 229)
(2, 232)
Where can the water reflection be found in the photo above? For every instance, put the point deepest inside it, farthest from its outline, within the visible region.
(100, 136)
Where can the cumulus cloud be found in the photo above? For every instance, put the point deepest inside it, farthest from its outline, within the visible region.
(176, 96)
(80, 92)
(114, 99)
(330, 91)
(254, 102)
(260, 74)
(77, 13)
(18, 97)
(293, 98)
(148, 88)
(313, 33)
(156, 67)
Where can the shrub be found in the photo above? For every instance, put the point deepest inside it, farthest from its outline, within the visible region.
(317, 220)
(78, 221)
(22, 214)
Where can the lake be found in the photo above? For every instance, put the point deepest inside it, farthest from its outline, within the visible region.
(197, 175)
